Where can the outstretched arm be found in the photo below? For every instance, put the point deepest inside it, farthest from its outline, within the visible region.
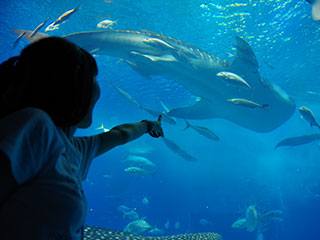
(125, 133)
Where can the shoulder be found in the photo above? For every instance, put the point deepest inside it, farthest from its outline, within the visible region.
(29, 139)
(31, 113)
(27, 123)
(32, 117)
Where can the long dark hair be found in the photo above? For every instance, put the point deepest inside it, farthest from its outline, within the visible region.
(52, 74)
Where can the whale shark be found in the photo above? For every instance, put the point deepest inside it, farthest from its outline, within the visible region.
(196, 70)
(94, 232)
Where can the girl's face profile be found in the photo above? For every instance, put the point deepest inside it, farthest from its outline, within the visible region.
(86, 122)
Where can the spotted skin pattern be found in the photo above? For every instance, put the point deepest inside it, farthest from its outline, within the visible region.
(99, 233)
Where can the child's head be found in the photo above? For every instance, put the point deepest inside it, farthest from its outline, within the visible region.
(52, 74)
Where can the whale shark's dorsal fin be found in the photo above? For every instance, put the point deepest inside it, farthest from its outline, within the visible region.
(244, 54)
(245, 63)
(27, 36)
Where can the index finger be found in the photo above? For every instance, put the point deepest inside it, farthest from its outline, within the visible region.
(159, 118)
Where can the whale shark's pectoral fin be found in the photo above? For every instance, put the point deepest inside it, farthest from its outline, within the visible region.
(136, 68)
(183, 57)
(153, 58)
(156, 42)
(200, 110)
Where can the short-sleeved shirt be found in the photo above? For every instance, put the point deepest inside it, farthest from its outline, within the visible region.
(49, 168)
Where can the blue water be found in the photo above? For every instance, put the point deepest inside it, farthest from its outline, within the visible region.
(242, 168)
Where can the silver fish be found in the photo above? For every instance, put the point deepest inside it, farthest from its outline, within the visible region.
(308, 115)
(125, 95)
(38, 28)
(17, 40)
(246, 103)
(251, 218)
(202, 130)
(176, 149)
(138, 227)
(138, 161)
(137, 171)
(294, 141)
(132, 215)
(64, 17)
(165, 117)
(106, 23)
(234, 79)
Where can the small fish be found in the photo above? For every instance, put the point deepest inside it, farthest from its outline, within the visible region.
(64, 17)
(165, 117)
(140, 148)
(177, 225)
(204, 222)
(251, 218)
(106, 24)
(240, 223)
(246, 103)
(137, 171)
(176, 149)
(138, 161)
(155, 232)
(145, 201)
(167, 224)
(294, 141)
(138, 227)
(132, 215)
(308, 115)
(233, 78)
(104, 129)
(18, 39)
(230, 55)
(126, 95)
(165, 108)
(312, 93)
(52, 27)
(269, 65)
(107, 176)
(315, 9)
(37, 29)
(202, 130)
(271, 215)
(123, 209)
